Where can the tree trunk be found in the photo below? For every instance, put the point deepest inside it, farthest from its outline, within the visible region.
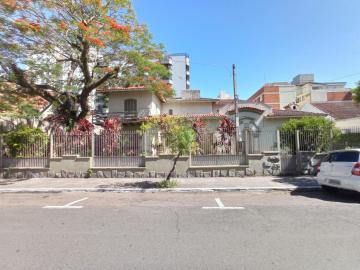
(173, 168)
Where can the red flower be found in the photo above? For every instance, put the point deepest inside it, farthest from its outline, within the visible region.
(63, 25)
(83, 26)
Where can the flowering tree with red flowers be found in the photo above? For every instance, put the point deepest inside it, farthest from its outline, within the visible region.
(226, 130)
(63, 50)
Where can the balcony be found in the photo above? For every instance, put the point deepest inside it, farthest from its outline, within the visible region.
(125, 117)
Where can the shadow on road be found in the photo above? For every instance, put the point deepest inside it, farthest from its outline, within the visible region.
(300, 181)
(341, 196)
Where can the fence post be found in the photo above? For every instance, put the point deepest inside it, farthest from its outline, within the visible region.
(145, 143)
(279, 148)
(51, 145)
(298, 154)
(92, 150)
(1, 151)
(331, 140)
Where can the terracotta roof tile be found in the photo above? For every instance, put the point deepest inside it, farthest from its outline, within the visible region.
(290, 113)
(339, 110)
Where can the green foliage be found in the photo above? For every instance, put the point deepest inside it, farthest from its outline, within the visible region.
(181, 139)
(23, 138)
(347, 141)
(307, 123)
(356, 93)
(74, 47)
(166, 184)
(89, 172)
(315, 134)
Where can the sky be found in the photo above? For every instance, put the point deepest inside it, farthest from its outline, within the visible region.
(268, 41)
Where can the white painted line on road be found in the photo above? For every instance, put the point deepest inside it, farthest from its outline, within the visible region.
(219, 203)
(67, 206)
(221, 206)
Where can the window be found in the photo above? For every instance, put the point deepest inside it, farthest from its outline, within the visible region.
(130, 105)
(171, 112)
(348, 156)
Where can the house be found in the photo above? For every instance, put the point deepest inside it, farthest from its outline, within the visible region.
(346, 114)
(302, 90)
(262, 121)
(133, 105)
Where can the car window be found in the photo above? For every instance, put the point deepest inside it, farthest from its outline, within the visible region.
(349, 156)
(326, 158)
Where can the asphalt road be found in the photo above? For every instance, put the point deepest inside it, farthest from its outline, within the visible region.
(172, 231)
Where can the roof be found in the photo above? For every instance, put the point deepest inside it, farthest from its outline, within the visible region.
(184, 100)
(195, 115)
(117, 89)
(130, 88)
(205, 115)
(339, 110)
(290, 114)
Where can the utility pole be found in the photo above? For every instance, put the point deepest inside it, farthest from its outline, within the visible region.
(235, 102)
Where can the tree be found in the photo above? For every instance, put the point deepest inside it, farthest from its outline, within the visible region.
(356, 92)
(63, 50)
(179, 133)
(20, 107)
(181, 141)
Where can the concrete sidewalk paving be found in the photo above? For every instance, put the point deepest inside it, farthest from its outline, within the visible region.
(267, 183)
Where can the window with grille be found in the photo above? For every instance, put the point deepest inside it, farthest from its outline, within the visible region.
(130, 105)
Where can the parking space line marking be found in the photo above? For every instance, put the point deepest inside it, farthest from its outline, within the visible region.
(67, 206)
(221, 206)
(219, 203)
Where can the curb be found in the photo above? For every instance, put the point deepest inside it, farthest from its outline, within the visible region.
(158, 190)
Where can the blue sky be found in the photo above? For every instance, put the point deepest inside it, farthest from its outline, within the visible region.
(268, 41)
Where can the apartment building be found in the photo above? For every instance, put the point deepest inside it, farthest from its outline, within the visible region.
(302, 90)
(179, 66)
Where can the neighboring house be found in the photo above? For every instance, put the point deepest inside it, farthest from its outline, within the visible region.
(346, 114)
(303, 89)
(261, 117)
(263, 122)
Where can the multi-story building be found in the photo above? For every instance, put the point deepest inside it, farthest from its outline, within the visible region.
(179, 66)
(302, 90)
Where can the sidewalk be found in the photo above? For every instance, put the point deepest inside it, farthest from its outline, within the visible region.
(267, 183)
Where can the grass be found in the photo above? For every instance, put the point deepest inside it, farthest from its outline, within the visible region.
(166, 184)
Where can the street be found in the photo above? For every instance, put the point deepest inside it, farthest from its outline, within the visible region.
(276, 230)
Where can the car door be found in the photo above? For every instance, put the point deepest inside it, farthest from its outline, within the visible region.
(326, 167)
(342, 164)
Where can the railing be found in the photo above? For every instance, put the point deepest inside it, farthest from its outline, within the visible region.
(130, 116)
(123, 149)
(30, 155)
(129, 148)
(261, 141)
(219, 149)
(70, 144)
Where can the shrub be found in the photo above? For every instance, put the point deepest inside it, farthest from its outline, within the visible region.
(166, 184)
(23, 139)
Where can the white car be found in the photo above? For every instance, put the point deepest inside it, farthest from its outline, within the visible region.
(340, 169)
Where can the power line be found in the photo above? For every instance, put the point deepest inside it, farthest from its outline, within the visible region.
(346, 76)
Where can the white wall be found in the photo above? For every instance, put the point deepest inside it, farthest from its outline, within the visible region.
(348, 123)
(145, 100)
(180, 108)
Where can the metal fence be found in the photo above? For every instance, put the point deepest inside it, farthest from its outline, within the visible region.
(123, 149)
(64, 144)
(129, 148)
(261, 141)
(219, 149)
(34, 154)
